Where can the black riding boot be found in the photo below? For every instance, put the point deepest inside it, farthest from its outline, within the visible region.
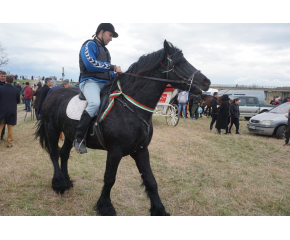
(81, 132)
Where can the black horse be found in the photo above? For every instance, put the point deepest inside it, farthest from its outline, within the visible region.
(124, 132)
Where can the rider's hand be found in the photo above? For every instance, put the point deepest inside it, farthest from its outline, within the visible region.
(118, 70)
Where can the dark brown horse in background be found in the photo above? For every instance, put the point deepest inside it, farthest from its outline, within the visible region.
(207, 103)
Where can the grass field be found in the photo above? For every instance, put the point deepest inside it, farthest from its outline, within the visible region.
(198, 173)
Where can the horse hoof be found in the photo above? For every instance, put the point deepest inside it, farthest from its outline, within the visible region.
(104, 208)
(160, 212)
(59, 185)
(68, 182)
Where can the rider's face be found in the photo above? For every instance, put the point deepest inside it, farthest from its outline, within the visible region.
(107, 37)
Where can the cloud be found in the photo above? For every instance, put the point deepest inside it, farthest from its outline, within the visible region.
(225, 53)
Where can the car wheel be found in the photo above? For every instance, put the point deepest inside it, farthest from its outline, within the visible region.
(247, 118)
(280, 134)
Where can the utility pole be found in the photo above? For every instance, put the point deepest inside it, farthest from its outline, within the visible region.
(63, 73)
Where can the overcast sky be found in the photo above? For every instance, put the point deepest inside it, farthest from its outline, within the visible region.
(227, 53)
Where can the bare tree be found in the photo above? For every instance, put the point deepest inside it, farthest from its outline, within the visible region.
(3, 56)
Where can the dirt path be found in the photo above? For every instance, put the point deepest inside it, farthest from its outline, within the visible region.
(21, 114)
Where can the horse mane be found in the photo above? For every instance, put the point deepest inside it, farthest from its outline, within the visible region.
(147, 66)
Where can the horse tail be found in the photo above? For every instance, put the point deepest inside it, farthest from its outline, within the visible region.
(41, 134)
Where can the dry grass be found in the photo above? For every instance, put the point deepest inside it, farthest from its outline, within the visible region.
(198, 173)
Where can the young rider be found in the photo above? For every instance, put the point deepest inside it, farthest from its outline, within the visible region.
(95, 71)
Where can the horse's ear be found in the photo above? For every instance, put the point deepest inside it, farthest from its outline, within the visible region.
(167, 47)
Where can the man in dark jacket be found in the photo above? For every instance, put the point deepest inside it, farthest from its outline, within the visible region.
(223, 114)
(9, 98)
(2, 83)
(195, 102)
(214, 103)
(65, 84)
(235, 114)
(36, 102)
(18, 86)
(2, 78)
(43, 93)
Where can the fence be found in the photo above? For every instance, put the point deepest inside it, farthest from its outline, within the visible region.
(247, 86)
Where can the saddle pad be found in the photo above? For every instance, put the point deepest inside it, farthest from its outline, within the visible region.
(75, 108)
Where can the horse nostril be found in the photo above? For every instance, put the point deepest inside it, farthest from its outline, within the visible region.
(206, 81)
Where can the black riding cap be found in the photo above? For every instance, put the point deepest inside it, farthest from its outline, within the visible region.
(107, 27)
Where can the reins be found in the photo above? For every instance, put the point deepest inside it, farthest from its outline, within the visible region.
(155, 79)
(184, 79)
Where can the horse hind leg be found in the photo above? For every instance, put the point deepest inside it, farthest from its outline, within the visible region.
(104, 206)
(58, 180)
(141, 158)
(64, 156)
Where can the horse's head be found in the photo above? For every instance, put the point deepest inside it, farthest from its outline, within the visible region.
(179, 68)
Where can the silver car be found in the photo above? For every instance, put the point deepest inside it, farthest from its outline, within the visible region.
(270, 123)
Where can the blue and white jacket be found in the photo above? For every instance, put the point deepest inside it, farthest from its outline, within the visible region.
(95, 62)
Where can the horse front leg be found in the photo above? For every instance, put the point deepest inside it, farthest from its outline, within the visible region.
(142, 160)
(104, 206)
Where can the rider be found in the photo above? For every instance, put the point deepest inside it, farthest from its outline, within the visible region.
(95, 71)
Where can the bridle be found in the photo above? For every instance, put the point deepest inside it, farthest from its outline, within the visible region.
(183, 80)
(188, 81)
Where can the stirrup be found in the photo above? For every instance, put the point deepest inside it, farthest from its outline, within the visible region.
(78, 148)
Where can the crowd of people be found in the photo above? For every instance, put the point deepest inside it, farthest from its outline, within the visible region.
(279, 100)
(225, 116)
(10, 96)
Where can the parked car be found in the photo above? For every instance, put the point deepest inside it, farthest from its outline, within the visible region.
(250, 106)
(270, 123)
(260, 94)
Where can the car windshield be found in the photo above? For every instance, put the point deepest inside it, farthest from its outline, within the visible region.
(282, 109)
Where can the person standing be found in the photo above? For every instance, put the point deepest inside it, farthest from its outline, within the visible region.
(43, 93)
(28, 94)
(22, 95)
(95, 71)
(2, 83)
(214, 104)
(18, 86)
(195, 102)
(235, 114)
(182, 102)
(9, 98)
(189, 105)
(287, 132)
(2, 78)
(223, 114)
(36, 102)
(65, 84)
